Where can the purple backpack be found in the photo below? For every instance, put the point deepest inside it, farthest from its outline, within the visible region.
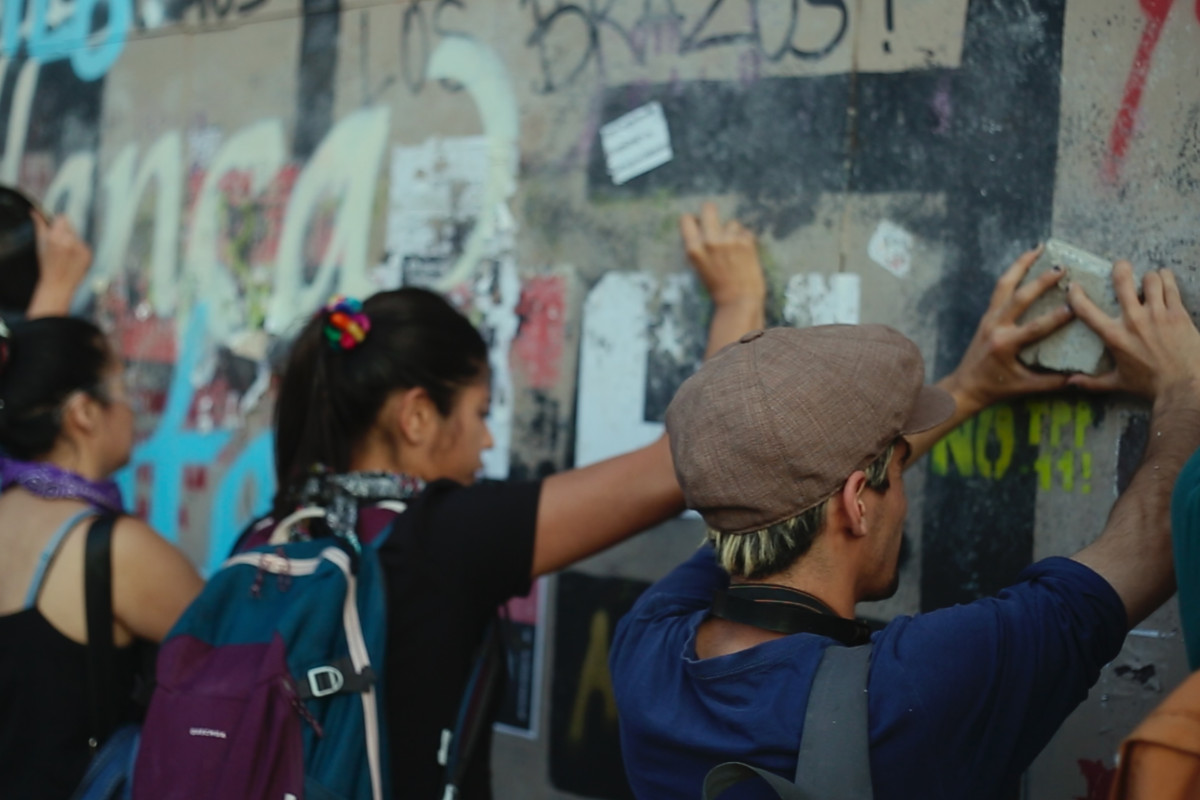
(269, 686)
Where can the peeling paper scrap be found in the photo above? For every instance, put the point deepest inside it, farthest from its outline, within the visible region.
(636, 143)
(812, 298)
(891, 248)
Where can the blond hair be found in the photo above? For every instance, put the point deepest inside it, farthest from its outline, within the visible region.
(756, 555)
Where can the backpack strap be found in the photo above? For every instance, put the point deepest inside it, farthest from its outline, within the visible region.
(834, 756)
(97, 587)
(835, 750)
(485, 681)
(282, 532)
(48, 554)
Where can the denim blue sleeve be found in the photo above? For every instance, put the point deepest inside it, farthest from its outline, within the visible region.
(969, 695)
(1185, 536)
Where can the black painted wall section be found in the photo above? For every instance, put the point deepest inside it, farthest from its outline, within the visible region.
(983, 135)
(585, 750)
(978, 534)
(64, 116)
(318, 75)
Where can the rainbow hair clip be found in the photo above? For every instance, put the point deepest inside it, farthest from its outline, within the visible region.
(345, 323)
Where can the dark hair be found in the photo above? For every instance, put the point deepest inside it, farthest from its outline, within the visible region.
(329, 397)
(47, 360)
(18, 250)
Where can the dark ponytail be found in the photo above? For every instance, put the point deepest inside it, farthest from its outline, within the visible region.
(42, 362)
(330, 396)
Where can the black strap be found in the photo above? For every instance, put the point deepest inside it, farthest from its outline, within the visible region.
(834, 756)
(486, 680)
(336, 677)
(101, 651)
(788, 616)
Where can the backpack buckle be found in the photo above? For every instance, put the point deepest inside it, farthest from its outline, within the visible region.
(325, 681)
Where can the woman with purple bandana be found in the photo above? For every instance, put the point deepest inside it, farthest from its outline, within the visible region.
(65, 427)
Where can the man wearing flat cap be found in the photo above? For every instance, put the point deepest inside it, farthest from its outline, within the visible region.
(792, 444)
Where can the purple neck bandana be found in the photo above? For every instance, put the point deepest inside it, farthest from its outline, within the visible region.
(56, 483)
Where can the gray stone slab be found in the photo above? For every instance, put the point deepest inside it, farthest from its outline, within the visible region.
(1074, 347)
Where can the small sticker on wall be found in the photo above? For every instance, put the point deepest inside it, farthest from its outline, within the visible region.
(636, 143)
(891, 248)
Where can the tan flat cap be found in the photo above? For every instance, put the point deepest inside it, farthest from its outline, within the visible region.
(776, 422)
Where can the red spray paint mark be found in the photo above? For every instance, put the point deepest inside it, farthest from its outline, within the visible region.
(1156, 12)
(195, 478)
(1099, 778)
(539, 343)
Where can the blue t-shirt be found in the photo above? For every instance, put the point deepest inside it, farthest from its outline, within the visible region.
(961, 699)
(1185, 536)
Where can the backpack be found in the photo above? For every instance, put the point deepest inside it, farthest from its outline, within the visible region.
(1160, 760)
(269, 684)
(834, 757)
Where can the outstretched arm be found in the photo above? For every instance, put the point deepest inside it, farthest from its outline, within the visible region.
(990, 370)
(63, 261)
(583, 511)
(1156, 348)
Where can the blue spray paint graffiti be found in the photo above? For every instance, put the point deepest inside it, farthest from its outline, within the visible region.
(172, 448)
(92, 53)
(254, 468)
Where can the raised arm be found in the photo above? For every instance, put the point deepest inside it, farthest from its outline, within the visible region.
(583, 511)
(1156, 348)
(63, 261)
(990, 370)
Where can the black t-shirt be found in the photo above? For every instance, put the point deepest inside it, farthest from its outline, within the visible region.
(455, 556)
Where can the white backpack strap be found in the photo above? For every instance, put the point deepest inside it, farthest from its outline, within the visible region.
(283, 531)
(397, 506)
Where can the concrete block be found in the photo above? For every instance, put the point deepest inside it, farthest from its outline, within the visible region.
(1074, 347)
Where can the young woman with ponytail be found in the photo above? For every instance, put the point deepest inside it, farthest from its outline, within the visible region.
(388, 400)
(65, 427)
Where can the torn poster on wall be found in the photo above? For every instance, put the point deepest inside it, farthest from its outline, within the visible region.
(526, 640)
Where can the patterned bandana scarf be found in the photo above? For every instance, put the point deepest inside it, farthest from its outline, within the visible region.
(341, 495)
(55, 483)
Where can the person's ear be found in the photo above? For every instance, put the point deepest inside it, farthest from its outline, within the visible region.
(853, 505)
(81, 412)
(413, 416)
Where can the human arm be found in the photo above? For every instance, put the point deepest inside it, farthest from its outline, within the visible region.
(990, 370)
(976, 690)
(152, 581)
(1156, 349)
(583, 511)
(63, 261)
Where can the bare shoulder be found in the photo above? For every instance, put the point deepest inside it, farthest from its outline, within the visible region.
(153, 580)
(134, 541)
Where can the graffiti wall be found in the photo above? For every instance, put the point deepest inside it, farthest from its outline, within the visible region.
(235, 162)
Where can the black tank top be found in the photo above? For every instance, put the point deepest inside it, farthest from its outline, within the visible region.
(44, 703)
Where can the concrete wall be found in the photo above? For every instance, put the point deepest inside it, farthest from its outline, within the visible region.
(235, 161)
